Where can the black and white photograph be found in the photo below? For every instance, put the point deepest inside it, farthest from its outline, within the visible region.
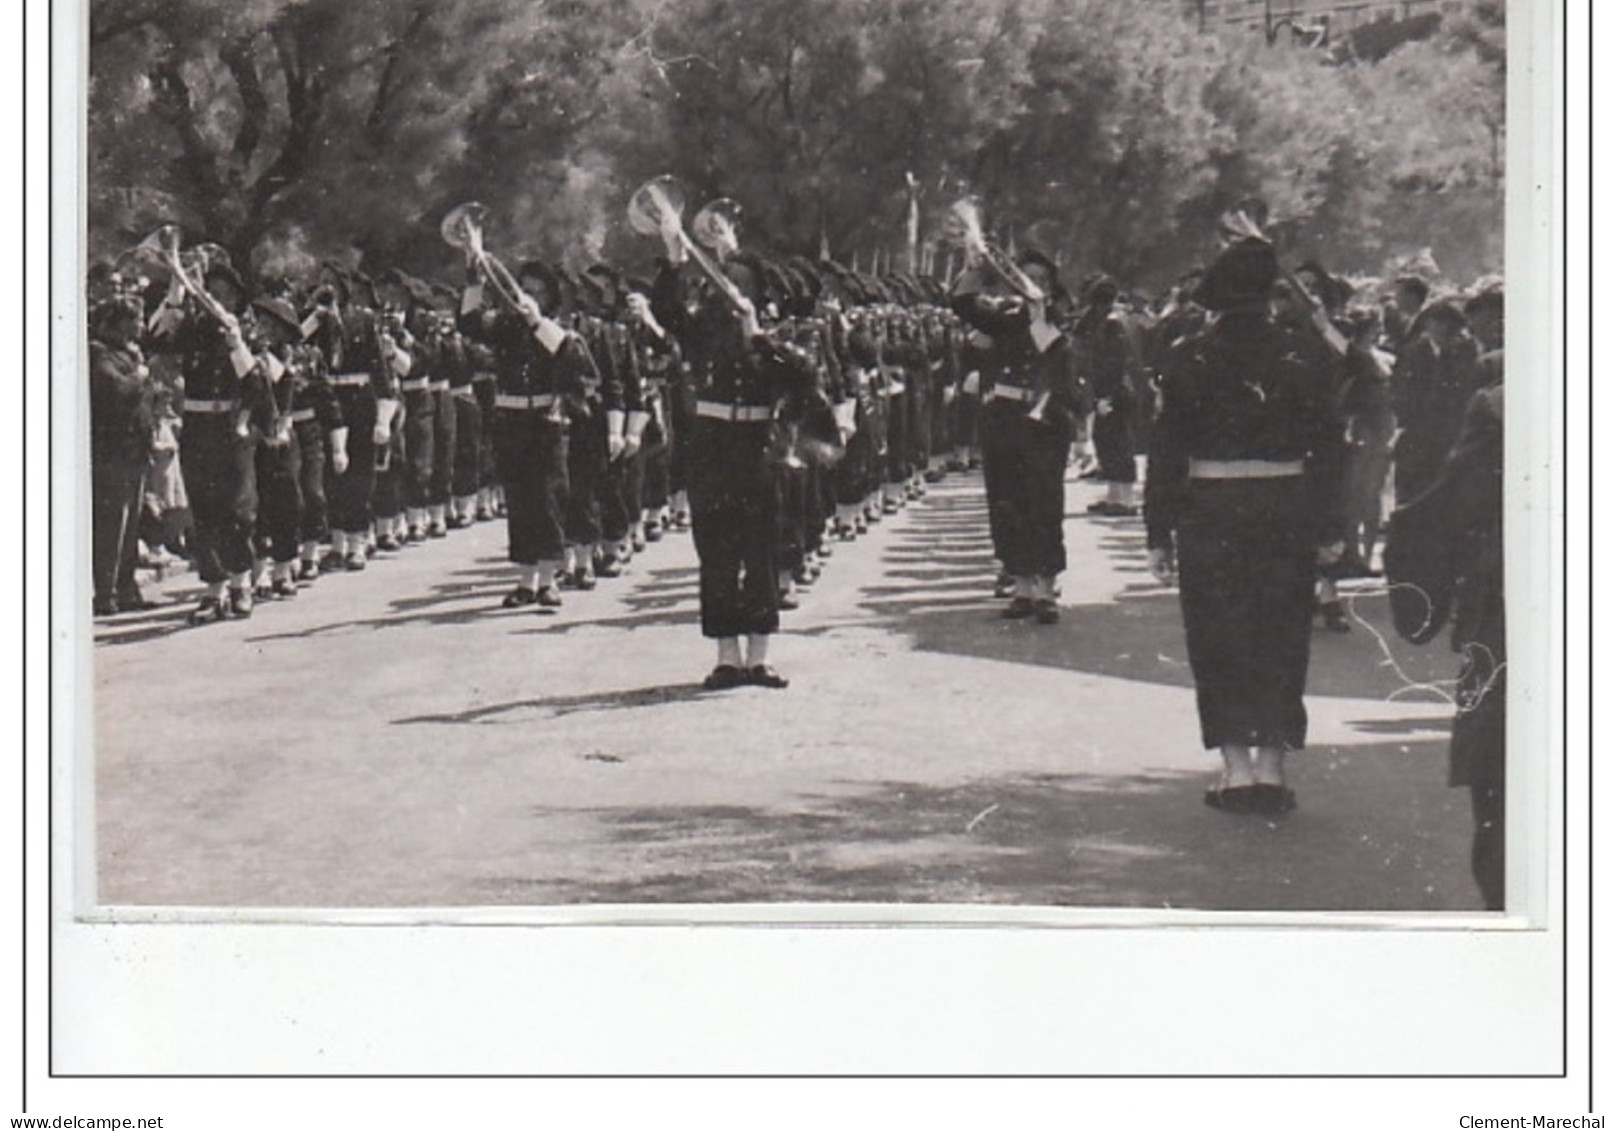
(806, 461)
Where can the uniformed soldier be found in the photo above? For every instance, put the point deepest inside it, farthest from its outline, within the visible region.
(545, 383)
(658, 360)
(1032, 400)
(122, 424)
(364, 363)
(322, 447)
(1242, 503)
(1106, 363)
(275, 337)
(227, 400)
(741, 374)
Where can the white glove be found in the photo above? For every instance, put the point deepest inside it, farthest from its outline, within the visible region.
(339, 450)
(634, 437)
(614, 441)
(386, 409)
(1103, 406)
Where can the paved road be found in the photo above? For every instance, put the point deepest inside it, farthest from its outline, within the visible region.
(395, 739)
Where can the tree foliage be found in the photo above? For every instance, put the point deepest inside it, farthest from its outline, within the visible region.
(1109, 134)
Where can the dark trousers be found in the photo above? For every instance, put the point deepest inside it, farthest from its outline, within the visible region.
(734, 507)
(899, 444)
(280, 501)
(468, 445)
(681, 437)
(792, 520)
(352, 494)
(420, 448)
(586, 472)
(532, 454)
(445, 437)
(391, 471)
(485, 390)
(657, 459)
(117, 491)
(1024, 465)
(315, 524)
(1246, 568)
(856, 475)
(221, 483)
(1113, 443)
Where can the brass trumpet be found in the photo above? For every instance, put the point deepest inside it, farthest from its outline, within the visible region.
(162, 248)
(462, 228)
(962, 226)
(657, 209)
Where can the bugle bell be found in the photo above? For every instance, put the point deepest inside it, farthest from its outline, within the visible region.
(462, 228)
(657, 209)
(962, 226)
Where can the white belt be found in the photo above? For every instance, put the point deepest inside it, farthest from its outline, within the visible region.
(743, 413)
(414, 385)
(439, 386)
(1011, 393)
(510, 400)
(1244, 468)
(350, 379)
(466, 393)
(302, 416)
(209, 406)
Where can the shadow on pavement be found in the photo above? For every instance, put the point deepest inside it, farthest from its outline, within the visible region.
(1372, 833)
(1136, 635)
(558, 706)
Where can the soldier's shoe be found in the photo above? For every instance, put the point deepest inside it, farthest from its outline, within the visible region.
(934, 475)
(860, 525)
(609, 566)
(639, 541)
(437, 530)
(370, 548)
(583, 578)
(653, 532)
(765, 675)
(308, 570)
(499, 510)
(1004, 586)
(333, 562)
(788, 598)
(681, 520)
(356, 561)
(519, 596)
(1046, 611)
(209, 610)
(414, 534)
(263, 592)
(548, 598)
(240, 603)
(725, 677)
(106, 607)
(889, 506)
(387, 543)
(460, 521)
(1019, 608)
(826, 548)
(484, 514)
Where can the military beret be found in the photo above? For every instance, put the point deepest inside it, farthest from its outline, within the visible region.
(281, 311)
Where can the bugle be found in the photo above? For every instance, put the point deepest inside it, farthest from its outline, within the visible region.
(962, 226)
(462, 228)
(657, 209)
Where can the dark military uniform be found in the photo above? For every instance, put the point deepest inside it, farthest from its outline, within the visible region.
(227, 404)
(121, 427)
(320, 432)
(733, 497)
(1031, 401)
(540, 389)
(367, 392)
(1244, 483)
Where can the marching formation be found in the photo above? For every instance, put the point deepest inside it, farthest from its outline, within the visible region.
(775, 408)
